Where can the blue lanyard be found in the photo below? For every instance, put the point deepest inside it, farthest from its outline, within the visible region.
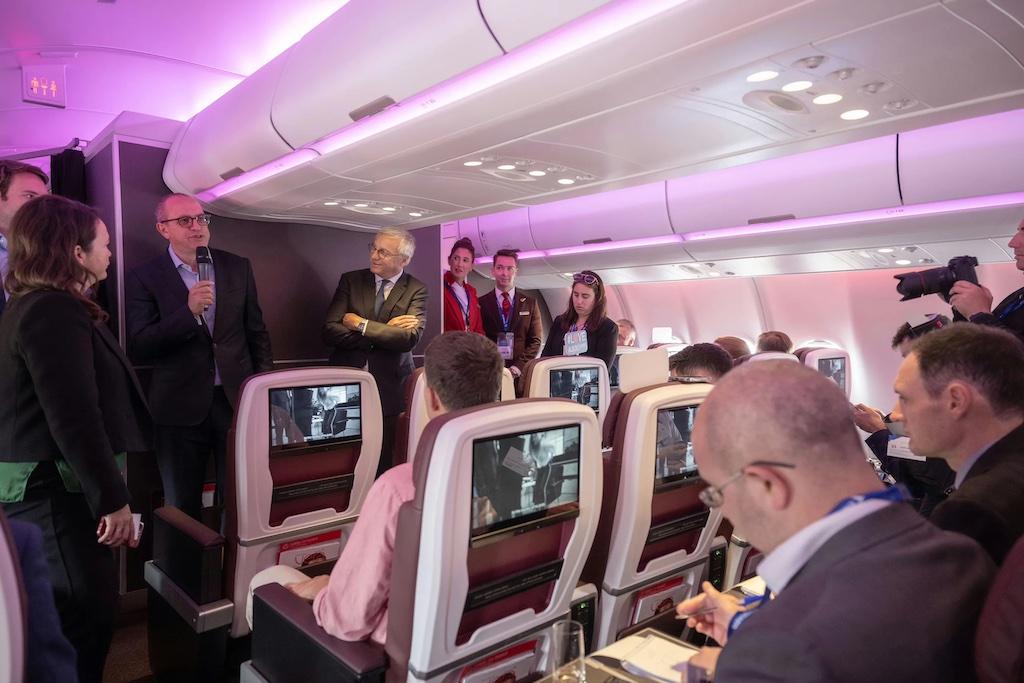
(895, 494)
(740, 617)
(511, 309)
(465, 310)
(1015, 306)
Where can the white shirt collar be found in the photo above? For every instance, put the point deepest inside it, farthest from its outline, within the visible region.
(780, 565)
(377, 278)
(178, 263)
(511, 295)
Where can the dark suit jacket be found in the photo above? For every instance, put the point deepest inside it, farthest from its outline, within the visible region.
(525, 324)
(888, 598)
(162, 332)
(1012, 322)
(601, 343)
(50, 656)
(989, 505)
(386, 351)
(69, 393)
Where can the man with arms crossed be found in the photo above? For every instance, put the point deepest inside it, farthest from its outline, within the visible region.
(374, 321)
(865, 588)
(511, 319)
(203, 338)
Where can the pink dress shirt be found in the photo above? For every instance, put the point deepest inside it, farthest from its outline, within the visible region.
(354, 604)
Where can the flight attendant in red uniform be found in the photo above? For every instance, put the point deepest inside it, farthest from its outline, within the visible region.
(461, 307)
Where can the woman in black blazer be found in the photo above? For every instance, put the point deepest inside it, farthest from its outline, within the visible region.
(71, 406)
(586, 314)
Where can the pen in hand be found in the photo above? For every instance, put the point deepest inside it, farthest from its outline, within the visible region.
(745, 602)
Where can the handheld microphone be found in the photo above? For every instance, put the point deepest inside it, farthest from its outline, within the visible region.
(204, 264)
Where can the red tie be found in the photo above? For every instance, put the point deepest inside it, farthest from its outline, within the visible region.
(506, 306)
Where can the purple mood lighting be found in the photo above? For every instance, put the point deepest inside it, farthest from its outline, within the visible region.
(914, 210)
(594, 27)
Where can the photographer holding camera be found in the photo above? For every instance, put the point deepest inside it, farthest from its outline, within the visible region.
(974, 302)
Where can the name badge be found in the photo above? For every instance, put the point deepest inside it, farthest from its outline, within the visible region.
(900, 448)
(574, 343)
(506, 344)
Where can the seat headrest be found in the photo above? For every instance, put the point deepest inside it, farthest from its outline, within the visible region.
(642, 369)
(772, 355)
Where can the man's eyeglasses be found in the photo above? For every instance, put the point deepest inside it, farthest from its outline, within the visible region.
(712, 495)
(186, 221)
(383, 253)
(585, 278)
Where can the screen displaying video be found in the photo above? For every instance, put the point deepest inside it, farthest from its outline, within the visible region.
(835, 370)
(521, 478)
(674, 457)
(580, 385)
(307, 416)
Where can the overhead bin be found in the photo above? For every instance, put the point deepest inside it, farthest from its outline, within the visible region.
(367, 51)
(515, 23)
(220, 142)
(505, 230)
(853, 177)
(980, 156)
(628, 214)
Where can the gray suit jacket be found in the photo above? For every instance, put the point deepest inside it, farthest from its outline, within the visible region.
(889, 598)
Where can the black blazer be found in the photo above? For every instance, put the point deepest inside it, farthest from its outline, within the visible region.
(601, 343)
(162, 332)
(1012, 321)
(69, 392)
(989, 505)
(386, 351)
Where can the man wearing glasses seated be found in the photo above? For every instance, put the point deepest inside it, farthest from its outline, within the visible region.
(864, 588)
(203, 337)
(374, 321)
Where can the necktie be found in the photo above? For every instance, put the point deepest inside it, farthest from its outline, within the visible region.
(379, 301)
(506, 308)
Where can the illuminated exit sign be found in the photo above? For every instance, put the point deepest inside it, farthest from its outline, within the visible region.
(44, 84)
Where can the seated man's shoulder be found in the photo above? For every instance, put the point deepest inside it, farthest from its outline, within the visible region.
(397, 482)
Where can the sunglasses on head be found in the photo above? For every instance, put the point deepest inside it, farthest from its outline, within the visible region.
(585, 278)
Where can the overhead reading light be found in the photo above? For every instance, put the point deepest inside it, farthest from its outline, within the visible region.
(472, 163)
(886, 250)
(388, 208)
(854, 114)
(577, 35)
(827, 98)
(796, 86)
(415, 214)
(762, 76)
(566, 181)
(902, 262)
(360, 206)
(331, 203)
(993, 201)
(507, 167)
(538, 174)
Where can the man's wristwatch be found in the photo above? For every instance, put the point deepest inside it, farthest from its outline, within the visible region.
(362, 326)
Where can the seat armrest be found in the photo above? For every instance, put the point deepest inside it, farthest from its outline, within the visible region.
(288, 644)
(189, 553)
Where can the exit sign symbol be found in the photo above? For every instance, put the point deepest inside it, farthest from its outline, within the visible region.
(44, 84)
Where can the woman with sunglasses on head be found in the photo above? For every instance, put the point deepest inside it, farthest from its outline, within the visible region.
(70, 410)
(584, 329)
(461, 306)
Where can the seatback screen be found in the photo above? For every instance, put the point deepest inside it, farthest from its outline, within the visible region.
(312, 416)
(524, 477)
(579, 384)
(834, 369)
(673, 460)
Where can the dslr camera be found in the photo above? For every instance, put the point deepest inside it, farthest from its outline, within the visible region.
(937, 280)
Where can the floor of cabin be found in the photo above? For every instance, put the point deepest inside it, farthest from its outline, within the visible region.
(128, 660)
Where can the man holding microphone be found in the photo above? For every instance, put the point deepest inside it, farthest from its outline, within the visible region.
(193, 314)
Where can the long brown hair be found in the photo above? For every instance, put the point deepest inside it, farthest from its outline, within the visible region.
(41, 244)
(599, 312)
